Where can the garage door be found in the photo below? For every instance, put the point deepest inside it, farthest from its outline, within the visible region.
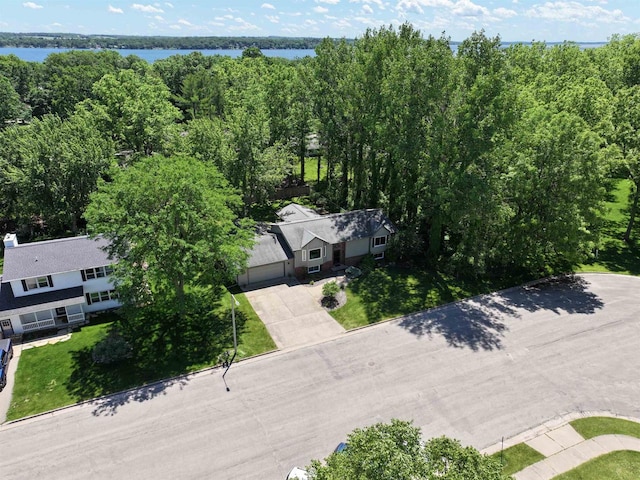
(266, 272)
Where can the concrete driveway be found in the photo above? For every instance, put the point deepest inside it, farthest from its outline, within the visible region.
(292, 313)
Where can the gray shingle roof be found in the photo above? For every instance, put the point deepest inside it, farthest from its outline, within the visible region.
(294, 211)
(335, 228)
(37, 259)
(269, 248)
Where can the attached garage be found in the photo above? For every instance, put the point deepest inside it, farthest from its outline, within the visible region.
(262, 273)
(268, 260)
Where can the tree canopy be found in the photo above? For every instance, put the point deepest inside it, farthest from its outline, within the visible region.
(486, 158)
(173, 227)
(395, 450)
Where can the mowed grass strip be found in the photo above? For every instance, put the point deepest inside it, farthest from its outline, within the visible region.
(517, 457)
(253, 337)
(391, 292)
(615, 255)
(43, 373)
(595, 426)
(61, 374)
(622, 465)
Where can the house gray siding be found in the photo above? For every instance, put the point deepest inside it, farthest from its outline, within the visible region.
(357, 248)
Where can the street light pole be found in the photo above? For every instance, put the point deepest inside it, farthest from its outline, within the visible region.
(234, 304)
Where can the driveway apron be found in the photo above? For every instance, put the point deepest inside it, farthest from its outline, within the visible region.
(292, 314)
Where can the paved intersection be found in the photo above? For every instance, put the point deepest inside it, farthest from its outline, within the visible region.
(477, 370)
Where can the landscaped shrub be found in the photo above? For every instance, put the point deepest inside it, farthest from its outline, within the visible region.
(330, 289)
(111, 349)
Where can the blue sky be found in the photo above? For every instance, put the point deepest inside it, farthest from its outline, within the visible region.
(513, 20)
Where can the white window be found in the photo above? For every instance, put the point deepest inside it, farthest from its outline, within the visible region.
(314, 269)
(95, 297)
(315, 254)
(37, 282)
(98, 272)
(378, 256)
(379, 241)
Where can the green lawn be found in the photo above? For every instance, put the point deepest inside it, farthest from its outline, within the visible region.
(594, 426)
(615, 255)
(64, 373)
(623, 465)
(517, 457)
(390, 292)
(311, 169)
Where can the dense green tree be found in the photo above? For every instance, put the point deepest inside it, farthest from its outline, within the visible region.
(173, 225)
(51, 167)
(395, 451)
(134, 109)
(555, 186)
(10, 106)
(627, 138)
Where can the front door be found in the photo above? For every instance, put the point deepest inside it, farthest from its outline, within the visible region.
(7, 328)
(337, 256)
(61, 314)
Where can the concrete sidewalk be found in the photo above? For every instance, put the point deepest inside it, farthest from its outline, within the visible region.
(564, 448)
(575, 455)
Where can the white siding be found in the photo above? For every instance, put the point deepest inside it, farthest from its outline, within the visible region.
(98, 306)
(60, 281)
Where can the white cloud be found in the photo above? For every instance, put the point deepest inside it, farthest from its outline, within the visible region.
(268, 5)
(113, 9)
(273, 18)
(182, 21)
(146, 8)
(35, 6)
(367, 9)
(342, 23)
(466, 8)
(170, 5)
(576, 12)
(319, 9)
(243, 25)
(330, 2)
(56, 24)
(158, 18)
(504, 12)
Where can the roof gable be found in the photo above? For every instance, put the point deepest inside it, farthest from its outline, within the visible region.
(335, 228)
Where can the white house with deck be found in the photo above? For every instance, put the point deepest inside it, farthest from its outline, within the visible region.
(54, 284)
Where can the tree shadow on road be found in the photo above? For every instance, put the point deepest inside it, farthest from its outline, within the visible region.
(479, 323)
(568, 293)
(464, 324)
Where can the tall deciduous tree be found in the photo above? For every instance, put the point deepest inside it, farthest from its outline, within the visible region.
(173, 226)
(135, 110)
(395, 451)
(51, 168)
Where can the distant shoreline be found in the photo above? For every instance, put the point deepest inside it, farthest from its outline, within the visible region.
(144, 42)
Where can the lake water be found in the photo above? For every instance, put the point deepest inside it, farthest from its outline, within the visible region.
(39, 54)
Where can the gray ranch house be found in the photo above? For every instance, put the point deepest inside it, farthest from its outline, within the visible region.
(305, 243)
(53, 284)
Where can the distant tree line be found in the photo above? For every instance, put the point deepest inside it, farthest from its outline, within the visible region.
(488, 158)
(77, 41)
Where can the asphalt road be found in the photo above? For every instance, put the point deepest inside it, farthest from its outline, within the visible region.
(477, 371)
